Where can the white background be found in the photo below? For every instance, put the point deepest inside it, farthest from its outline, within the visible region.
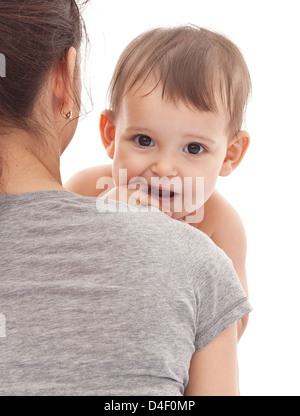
(264, 189)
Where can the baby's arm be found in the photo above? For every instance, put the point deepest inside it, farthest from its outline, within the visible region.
(224, 226)
(85, 182)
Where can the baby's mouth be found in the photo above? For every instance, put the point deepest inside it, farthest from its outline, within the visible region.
(160, 193)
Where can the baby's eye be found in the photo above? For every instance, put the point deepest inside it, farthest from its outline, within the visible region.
(143, 140)
(194, 148)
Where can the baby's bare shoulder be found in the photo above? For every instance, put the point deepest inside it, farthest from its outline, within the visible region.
(228, 230)
(85, 181)
(98, 171)
(218, 206)
(220, 217)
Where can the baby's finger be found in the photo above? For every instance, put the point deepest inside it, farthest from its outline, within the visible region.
(139, 197)
(135, 197)
(115, 193)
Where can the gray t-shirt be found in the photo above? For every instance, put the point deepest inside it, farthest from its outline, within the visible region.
(99, 302)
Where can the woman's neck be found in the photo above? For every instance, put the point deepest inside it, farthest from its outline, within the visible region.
(24, 171)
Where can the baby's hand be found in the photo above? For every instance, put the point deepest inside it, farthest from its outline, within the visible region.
(134, 197)
(181, 220)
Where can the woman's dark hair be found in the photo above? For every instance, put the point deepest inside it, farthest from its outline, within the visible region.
(35, 36)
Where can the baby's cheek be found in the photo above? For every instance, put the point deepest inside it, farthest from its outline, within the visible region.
(120, 174)
(209, 187)
(202, 189)
(195, 190)
(124, 171)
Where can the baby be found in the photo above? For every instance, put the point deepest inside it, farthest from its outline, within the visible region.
(177, 102)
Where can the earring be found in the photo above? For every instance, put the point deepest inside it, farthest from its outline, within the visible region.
(67, 116)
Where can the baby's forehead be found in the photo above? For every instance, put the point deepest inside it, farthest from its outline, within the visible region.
(152, 110)
(153, 86)
(151, 92)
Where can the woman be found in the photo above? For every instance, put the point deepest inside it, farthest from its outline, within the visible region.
(90, 305)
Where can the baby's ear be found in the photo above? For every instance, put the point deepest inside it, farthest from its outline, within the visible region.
(235, 153)
(108, 131)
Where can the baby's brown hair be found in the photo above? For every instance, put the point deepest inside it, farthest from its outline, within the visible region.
(190, 64)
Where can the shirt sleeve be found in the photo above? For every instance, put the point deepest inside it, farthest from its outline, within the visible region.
(221, 300)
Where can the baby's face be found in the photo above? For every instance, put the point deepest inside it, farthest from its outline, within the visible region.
(158, 140)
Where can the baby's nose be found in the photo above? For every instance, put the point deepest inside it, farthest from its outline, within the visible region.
(164, 165)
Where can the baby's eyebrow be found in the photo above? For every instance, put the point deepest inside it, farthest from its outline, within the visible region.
(199, 138)
(139, 129)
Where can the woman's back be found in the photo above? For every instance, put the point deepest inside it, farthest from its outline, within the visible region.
(91, 304)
